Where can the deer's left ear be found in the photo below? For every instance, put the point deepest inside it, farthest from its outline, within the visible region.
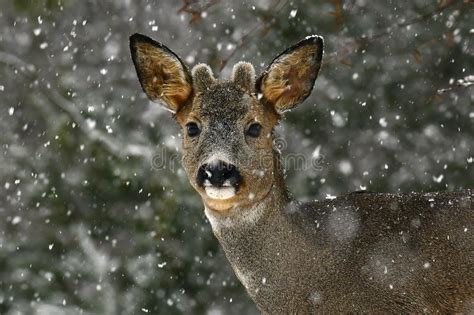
(163, 76)
(290, 77)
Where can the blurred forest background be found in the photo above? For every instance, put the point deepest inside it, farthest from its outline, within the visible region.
(88, 225)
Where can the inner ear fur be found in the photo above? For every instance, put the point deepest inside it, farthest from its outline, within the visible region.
(163, 76)
(290, 77)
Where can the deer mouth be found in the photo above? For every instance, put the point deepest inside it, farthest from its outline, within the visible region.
(220, 193)
(226, 191)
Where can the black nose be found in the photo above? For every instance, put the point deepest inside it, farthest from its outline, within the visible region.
(218, 174)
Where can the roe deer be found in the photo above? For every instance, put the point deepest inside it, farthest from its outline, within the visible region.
(360, 253)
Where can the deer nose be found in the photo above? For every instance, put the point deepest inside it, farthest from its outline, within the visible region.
(218, 174)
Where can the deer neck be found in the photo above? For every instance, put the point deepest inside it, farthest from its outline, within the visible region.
(261, 231)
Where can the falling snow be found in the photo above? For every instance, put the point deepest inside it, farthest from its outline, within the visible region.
(97, 215)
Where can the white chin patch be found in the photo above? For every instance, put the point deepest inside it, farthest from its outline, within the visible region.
(220, 192)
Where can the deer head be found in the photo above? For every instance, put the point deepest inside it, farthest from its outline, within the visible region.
(228, 125)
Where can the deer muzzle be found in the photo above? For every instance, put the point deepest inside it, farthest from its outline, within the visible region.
(219, 179)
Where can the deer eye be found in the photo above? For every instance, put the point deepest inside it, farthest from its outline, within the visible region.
(193, 129)
(254, 130)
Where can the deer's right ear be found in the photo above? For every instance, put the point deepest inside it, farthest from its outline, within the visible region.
(290, 77)
(163, 76)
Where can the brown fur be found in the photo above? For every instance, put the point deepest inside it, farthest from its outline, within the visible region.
(359, 253)
(243, 75)
(290, 78)
(202, 77)
(162, 75)
(224, 99)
